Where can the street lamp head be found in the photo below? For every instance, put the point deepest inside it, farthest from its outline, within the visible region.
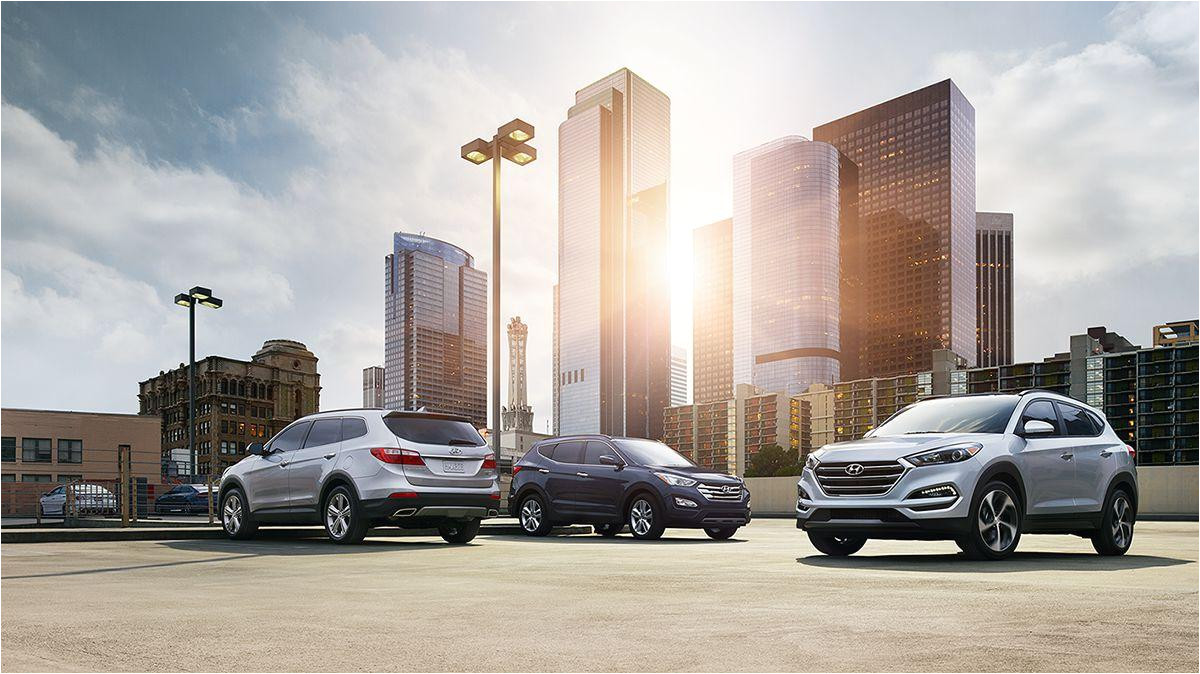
(519, 154)
(183, 300)
(477, 151)
(516, 131)
(212, 302)
(200, 292)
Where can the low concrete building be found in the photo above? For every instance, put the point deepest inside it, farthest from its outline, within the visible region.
(63, 446)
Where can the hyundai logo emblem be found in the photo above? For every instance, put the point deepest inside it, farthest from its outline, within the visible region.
(455, 450)
(855, 469)
(728, 489)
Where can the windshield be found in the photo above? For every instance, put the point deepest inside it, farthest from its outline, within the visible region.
(433, 431)
(983, 414)
(650, 453)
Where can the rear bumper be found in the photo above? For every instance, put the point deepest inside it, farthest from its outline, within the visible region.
(881, 523)
(425, 507)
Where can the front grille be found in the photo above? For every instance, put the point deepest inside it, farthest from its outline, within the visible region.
(875, 479)
(716, 492)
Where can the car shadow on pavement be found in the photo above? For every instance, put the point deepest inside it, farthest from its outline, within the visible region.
(299, 545)
(1019, 561)
(627, 540)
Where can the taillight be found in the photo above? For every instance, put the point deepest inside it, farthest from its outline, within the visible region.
(517, 469)
(495, 496)
(1132, 451)
(403, 494)
(404, 457)
(489, 462)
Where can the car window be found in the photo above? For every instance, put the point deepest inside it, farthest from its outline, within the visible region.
(979, 414)
(651, 453)
(594, 450)
(1076, 420)
(291, 437)
(569, 452)
(434, 431)
(1041, 410)
(353, 427)
(1097, 422)
(546, 450)
(324, 432)
(56, 491)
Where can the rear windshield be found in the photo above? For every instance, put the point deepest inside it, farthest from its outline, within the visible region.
(983, 414)
(429, 431)
(650, 453)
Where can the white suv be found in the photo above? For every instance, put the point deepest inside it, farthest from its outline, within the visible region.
(355, 469)
(978, 469)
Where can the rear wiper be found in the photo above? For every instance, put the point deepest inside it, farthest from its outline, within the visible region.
(460, 442)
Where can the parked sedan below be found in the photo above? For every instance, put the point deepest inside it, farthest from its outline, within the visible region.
(89, 499)
(185, 498)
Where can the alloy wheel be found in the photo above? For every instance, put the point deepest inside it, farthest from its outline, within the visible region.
(232, 514)
(641, 517)
(1122, 526)
(531, 515)
(997, 520)
(337, 515)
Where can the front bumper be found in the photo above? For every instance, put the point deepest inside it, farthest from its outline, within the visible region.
(707, 513)
(898, 513)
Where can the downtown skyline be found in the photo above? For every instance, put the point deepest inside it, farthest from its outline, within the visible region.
(113, 176)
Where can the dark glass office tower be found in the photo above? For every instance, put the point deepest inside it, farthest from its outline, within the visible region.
(916, 239)
(994, 288)
(435, 329)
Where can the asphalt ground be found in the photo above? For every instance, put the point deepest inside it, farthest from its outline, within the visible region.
(763, 601)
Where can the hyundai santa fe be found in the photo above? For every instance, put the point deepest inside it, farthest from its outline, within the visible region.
(979, 469)
(355, 469)
(612, 483)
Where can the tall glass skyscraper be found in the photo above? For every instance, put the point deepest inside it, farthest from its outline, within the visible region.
(712, 312)
(994, 288)
(613, 318)
(786, 265)
(435, 329)
(916, 161)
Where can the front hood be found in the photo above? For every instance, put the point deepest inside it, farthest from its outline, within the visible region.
(698, 473)
(893, 447)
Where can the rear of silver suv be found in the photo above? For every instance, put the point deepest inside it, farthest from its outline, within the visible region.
(351, 470)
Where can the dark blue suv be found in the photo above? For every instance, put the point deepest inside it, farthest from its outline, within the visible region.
(612, 483)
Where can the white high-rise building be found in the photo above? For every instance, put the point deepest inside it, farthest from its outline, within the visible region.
(613, 318)
(679, 376)
(786, 272)
(373, 386)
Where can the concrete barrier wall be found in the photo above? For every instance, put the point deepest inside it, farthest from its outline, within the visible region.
(1163, 490)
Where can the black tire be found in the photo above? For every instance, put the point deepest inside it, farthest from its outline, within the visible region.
(345, 523)
(987, 539)
(720, 533)
(459, 531)
(836, 546)
(236, 518)
(1116, 528)
(608, 530)
(534, 516)
(645, 518)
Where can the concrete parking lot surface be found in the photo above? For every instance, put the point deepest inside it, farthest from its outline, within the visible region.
(763, 601)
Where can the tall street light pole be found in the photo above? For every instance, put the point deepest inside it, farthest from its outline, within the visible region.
(509, 143)
(197, 295)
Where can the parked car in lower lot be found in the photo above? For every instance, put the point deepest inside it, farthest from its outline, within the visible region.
(613, 483)
(88, 499)
(981, 470)
(355, 469)
(184, 498)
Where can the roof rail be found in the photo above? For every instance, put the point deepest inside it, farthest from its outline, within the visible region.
(1041, 390)
(347, 409)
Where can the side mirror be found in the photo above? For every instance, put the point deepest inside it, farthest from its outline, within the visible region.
(256, 448)
(1036, 427)
(610, 460)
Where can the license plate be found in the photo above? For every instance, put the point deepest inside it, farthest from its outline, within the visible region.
(453, 467)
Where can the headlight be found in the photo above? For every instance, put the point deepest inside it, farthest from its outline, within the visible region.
(811, 462)
(675, 480)
(948, 454)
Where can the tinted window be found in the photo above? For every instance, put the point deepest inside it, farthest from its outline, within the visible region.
(1076, 420)
(546, 450)
(1097, 422)
(1042, 410)
(291, 437)
(434, 431)
(324, 432)
(353, 428)
(968, 414)
(650, 453)
(569, 452)
(593, 451)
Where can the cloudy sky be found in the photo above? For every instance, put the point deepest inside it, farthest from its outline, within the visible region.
(269, 151)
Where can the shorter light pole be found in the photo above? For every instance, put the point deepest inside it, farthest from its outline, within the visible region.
(197, 295)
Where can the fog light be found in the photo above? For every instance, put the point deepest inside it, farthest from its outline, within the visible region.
(684, 502)
(803, 494)
(940, 491)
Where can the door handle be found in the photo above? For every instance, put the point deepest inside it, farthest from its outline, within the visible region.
(1105, 453)
(582, 474)
(543, 470)
(1066, 456)
(330, 455)
(283, 464)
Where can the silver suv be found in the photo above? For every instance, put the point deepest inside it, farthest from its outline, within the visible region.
(978, 469)
(355, 469)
